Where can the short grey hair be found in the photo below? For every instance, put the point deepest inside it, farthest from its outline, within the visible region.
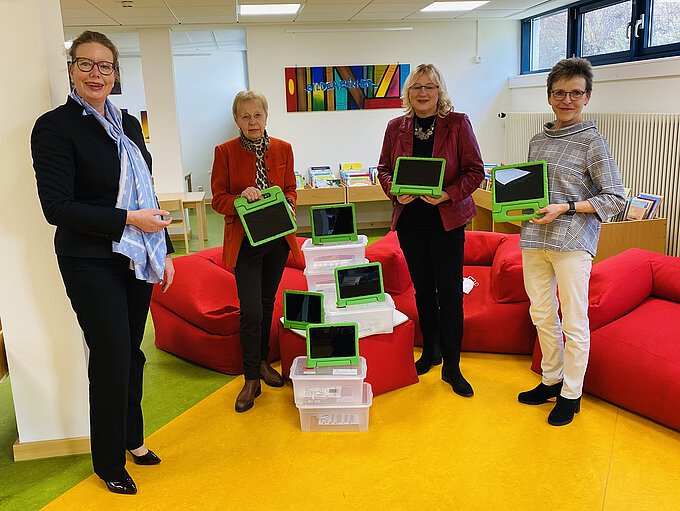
(248, 95)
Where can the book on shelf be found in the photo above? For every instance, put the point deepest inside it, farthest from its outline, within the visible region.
(638, 208)
(656, 200)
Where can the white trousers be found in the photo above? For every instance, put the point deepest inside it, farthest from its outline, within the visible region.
(545, 273)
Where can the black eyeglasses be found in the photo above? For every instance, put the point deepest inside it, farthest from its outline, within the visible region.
(86, 65)
(575, 95)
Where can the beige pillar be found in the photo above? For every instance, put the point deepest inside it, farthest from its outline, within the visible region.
(159, 86)
(44, 344)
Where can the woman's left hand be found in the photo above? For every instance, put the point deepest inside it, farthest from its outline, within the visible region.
(169, 275)
(434, 200)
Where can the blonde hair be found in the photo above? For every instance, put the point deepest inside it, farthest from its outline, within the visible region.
(444, 103)
(248, 95)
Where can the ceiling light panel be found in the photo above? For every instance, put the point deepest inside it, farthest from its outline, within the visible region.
(453, 6)
(268, 9)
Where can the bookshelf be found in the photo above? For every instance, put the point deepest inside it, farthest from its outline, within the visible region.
(373, 208)
(615, 237)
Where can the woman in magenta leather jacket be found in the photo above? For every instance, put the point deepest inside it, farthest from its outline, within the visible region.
(431, 230)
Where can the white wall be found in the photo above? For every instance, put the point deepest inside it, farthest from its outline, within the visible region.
(639, 87)
(206, 86)
(480, 90)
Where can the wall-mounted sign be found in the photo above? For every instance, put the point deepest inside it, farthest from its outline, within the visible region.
(328, 88)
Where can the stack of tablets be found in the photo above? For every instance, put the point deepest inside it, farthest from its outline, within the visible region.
(328, 383)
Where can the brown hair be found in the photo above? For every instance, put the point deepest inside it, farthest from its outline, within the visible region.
(248, 95)
(573, 67)
(94, 37)
(444, 104)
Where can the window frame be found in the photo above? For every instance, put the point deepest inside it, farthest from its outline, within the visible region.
(638, 49)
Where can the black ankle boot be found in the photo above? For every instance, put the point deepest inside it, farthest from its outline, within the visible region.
(564, 411)
(540, 394)
(458, 383)
(425, 363)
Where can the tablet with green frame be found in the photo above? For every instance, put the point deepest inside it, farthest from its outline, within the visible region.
(519, 190)
(301, 308)
(418, 176)
(265, 219)
(333, 223)
(359, 283)
(332, 344)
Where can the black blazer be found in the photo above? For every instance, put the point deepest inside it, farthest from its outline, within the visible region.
(77, 170)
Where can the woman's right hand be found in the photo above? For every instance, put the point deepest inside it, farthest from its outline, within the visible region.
(405, 199)
(252, 194)
(149, 220)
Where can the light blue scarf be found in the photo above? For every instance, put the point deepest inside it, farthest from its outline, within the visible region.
(146, 250)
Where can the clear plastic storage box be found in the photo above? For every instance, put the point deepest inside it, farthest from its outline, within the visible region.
(322, 280)
(319, 257)
(327, 384)
(372, 317)
(339, 417)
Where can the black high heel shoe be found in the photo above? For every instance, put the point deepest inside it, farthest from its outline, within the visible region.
(149, 458)
(125, 487)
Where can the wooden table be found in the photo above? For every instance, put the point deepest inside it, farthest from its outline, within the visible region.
(193, 200)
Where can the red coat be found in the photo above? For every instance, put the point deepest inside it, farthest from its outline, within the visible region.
(233, 171)
(455, 141)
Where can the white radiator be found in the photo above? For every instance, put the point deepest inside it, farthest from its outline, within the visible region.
(645, 146)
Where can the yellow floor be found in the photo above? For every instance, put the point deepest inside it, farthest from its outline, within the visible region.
(426, 448)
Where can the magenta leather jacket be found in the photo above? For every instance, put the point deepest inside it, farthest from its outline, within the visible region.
(455, 141)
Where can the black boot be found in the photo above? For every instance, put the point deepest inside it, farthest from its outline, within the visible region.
(458, 383)
(564, 411)
(540, 394)
(430, 357)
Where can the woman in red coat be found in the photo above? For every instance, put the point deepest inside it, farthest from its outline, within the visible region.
(431, 230)
(243, 167)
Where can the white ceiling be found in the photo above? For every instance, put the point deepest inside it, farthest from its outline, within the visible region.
(174, 13)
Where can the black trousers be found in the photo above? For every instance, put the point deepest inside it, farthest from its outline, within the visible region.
(435, 262)
(258, 273)
(112, 307)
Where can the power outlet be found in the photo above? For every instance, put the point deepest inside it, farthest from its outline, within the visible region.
(200, 188)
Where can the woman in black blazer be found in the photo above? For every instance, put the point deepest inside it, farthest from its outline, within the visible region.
(110, 244)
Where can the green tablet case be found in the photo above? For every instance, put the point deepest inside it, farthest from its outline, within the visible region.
(333, 223)
(521, 187)
(372, 290)
(332, 344)
(288, 311)
(265, 219)
(418, 176)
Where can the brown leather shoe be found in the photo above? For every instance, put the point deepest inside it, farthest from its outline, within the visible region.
(270, 376)
(246, 398)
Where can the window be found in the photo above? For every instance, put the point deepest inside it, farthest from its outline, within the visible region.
(603, 31)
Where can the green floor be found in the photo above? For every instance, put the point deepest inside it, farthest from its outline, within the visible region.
(171, 386)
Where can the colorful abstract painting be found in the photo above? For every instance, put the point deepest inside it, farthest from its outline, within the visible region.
(312, 89)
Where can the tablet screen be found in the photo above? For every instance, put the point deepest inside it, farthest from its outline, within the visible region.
(359, 281)
(302, 308)
(268, 221)
(333, 220)
(419, 172)
(525, 182)
(332, 341)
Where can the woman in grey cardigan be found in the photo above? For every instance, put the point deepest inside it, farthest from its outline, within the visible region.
(557, 249)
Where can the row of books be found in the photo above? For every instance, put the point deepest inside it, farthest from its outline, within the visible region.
(350, 174)
(641, 207)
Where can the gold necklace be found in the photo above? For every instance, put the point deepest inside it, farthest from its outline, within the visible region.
(423, 135)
